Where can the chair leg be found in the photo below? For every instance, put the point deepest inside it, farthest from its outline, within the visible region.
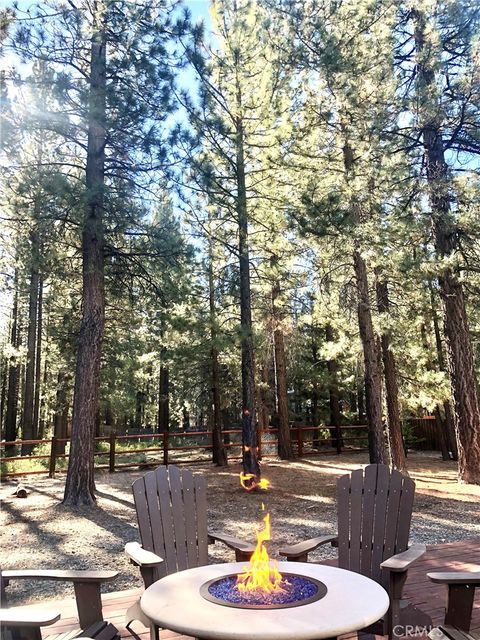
(460, 606)
(89, 603)
(241, 556)
(395, 587)
(22, 633)
(154, 631)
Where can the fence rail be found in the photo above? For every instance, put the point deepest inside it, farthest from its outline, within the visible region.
(304, 439)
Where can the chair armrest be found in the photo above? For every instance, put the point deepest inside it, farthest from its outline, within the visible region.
(456, 577)
(303, 548)
(402, 561)
(60, 575)
(141, 556)
(230, 541)
(27, 617)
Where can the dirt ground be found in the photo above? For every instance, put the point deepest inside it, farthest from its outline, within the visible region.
(38, 532)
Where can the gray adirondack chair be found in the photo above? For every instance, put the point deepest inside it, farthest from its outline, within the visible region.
(374, 513)
(461, 592)
(24, 623)
(171, 505)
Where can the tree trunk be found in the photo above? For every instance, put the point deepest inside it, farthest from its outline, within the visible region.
(251, 466)
(262, 408)
(13, 376)
(44, 406)
(4, 383)
(38, 361)
(219, 452)
(335, 415)
(315, 417)
(285, 449)
(28, 432)
(139, 409)
(373, 382)
(163, 397)
(80, 483)
(60, 417)
(391, 386)
(360, 382)
(447, 420)
(457, 335)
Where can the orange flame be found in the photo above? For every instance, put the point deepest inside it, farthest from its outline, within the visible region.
(261, 573)
(263, 483)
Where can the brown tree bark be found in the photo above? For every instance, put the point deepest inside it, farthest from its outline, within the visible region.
(457, 335)
(80, 483)
(28, 432)
(163, 398)
(285, 449)
(43, 410)
(60, 417)
(139, 409)
(262, 407)
(391, 386)
(219, 452)
(360, 384)
(445, 414)
(334, 402)
(13, 376)
(373, 382)
(251, 466)
(3, 398)
(38, 361)
(315, 417)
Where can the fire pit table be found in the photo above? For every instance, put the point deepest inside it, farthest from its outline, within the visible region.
(329, 602)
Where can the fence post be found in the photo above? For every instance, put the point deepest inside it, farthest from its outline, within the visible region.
(300, 441)
(338, 436)
(53, 457)
(165, 447)
(111, 461)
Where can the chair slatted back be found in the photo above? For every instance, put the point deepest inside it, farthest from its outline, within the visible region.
(374, 514)
(171, 507)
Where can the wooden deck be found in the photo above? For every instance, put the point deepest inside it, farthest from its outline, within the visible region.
(419, 590)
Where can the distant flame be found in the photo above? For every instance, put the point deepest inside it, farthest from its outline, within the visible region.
(263, 483)
(261, 573)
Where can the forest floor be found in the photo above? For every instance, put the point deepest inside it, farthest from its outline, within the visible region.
(38, 532)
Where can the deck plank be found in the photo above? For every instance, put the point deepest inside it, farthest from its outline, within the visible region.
(430, 597)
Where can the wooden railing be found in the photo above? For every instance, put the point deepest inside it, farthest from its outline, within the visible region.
(303, 438)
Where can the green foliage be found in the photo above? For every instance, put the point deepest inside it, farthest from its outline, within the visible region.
(303, 79)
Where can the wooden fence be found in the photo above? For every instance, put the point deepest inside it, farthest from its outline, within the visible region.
(305, 439)
(426, 433)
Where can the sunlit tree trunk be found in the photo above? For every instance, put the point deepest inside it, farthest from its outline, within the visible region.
(391, 386)
(38, 361)
(333, 396)
(80, 483)
(457, 335)
(28, 432)
(285, 450)
(445, 414)
(219, 452)
(13, 374)
(251, 466)
(373, 380)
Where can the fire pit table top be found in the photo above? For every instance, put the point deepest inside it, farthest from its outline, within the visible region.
(352, 602)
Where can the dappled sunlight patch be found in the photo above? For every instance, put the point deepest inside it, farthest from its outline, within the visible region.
(314, 498)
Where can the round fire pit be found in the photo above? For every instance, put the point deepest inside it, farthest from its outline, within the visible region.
(296, 591)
